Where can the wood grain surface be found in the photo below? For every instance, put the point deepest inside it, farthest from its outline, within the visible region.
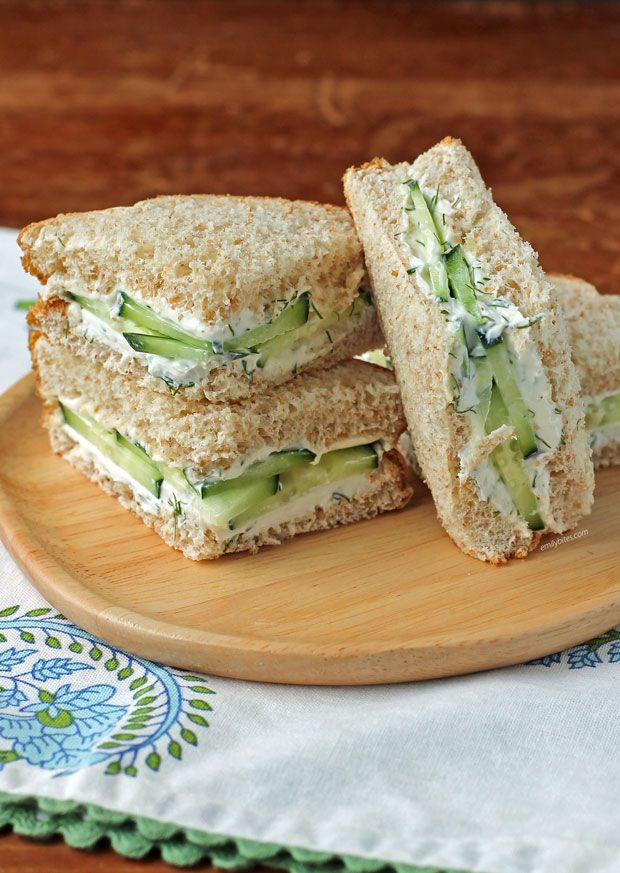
(387, 600)
(106, 102)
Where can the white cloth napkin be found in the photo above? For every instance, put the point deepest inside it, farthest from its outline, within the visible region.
(512, 771)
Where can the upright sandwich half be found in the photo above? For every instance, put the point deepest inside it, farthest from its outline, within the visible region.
(593, 322)
(480, 351)
(212, 478)
(217, 297)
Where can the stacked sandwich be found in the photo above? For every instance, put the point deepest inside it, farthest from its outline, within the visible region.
(193, 356)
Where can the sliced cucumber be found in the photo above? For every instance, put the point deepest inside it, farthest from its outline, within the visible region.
(460, 279)
(508, 461)
(333, 467)
(166, 347)
(430, 238)
(518, 413)
(294, 315)
(606, 411)
(221, 507)
(282, 344)
(98, 307)
(177, 478)
(124, 454)
(146, 318)
(274, 465)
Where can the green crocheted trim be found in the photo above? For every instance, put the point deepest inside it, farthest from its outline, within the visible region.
(83, 825)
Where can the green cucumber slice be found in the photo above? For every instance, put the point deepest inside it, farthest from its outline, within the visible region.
(98, 307)
(166, 347)
(294, 315)
(279, 345)
(508, 461)
(606, 411)
(124, 454)
(146, 318)
(460, 279)
(221, 507)
(274, 465)
(518, 413)
(430, 237)
(333, 467)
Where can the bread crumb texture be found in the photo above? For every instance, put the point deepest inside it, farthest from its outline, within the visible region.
(353, 399)
(207, 256)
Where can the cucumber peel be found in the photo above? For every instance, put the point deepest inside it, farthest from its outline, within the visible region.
(146, 318)
(126, 455)
(276, 464)
(461, 281)
(431, 237)
(333, 466)
(518, 414)
(508, 461)
(293, 316)
(167, 347)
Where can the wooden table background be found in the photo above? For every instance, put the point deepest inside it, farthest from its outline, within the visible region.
(103, 103)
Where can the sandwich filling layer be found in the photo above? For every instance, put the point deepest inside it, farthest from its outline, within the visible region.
(283, 486)
(603, 419)
(496, 377)
(183, 354)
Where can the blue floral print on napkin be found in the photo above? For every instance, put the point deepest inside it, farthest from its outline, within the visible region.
(53, 717)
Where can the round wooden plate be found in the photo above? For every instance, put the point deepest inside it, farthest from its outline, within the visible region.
(381, 601)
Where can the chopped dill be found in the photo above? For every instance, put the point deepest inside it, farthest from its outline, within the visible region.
(230, 543)
(314, 309)
(558, 410)
(544, 442)
(60, 240)
(338, 497)
(230, 328)
(329, 337)
(177, 512)
(248, 373)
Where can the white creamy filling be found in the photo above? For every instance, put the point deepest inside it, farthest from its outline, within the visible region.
(347, 488)
(216, 331)
(241, 464)
(602, 437)
(182, 372)
(501, 319)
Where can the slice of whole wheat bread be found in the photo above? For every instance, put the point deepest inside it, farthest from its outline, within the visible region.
(203, 255)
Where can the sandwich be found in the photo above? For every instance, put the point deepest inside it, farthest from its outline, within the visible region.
(593, 322)
(216, 297)
(587, 314)
(210, 478)
(480, 352)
